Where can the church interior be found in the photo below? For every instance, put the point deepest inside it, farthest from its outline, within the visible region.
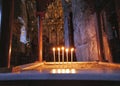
(63, 38)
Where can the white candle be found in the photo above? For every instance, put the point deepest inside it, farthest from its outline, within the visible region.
(62, 54)
(59, 54)
(72, 49)
(54, 54)
(67, 54)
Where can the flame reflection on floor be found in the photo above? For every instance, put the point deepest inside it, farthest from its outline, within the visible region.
(63, 71)
(69, 68)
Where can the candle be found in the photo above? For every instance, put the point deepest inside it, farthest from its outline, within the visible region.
(59, 54)
(62, 54)
(67, 54)
(54, 54)
(72, 49)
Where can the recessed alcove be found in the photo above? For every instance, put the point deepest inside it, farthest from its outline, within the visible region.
(89, 27)
(70, 41)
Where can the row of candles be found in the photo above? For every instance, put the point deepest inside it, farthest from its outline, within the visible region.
(62, 52)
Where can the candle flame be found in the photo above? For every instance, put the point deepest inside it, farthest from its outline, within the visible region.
(63, 48)
(58, 49)
(53, 49)
(67, 50)
(72, 49)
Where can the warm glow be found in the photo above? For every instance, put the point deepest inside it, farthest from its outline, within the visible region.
(67, 50)
(53, 49)
(67, 71)
(59, 71)
(54, 71)
(54, 54)
(63, 71)
(58, 49)
(73, 71)
(72, 49)
(63, 48)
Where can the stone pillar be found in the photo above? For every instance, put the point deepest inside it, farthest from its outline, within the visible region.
(99, 37)
(84, 30)
(66, 31)
(40, 41)
(66, 11)
(6, 32)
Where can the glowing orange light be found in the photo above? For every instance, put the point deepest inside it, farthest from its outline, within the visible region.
(72, 49)
(53, 71)
(66, 50)
(63, 71)
(67, 71)
(54, 54)
(62, 48)
(73, 71)
(58, 49)
(53, 49)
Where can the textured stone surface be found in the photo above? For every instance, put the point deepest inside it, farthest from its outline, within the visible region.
(67, 71)
(24, 53)
(117, 2)
(84, 30)
(53, 32)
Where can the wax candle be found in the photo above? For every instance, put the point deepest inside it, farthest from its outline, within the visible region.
(67, 54)
(62, 54)
(54, 54)
(59, 54)
(72, 49)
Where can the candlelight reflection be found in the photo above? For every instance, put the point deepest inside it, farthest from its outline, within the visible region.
(63, 71)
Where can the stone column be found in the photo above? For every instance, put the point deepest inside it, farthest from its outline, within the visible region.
(40, 41)
(84, 30)
(66, 11)
(6, 32)
(66, 31)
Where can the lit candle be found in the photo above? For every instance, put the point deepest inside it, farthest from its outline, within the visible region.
(62, 54)
(54, 54)
(67, 54)
(72, 49)
(59, 54)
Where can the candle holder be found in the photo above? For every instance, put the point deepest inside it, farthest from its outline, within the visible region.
(58, 54)
(54, 54)
(67, 54)
(72, 49)
(62, 52)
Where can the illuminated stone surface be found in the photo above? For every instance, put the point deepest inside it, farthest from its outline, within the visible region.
(66, 71)
(84, 30)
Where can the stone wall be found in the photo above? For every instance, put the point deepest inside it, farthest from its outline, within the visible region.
(84, 30)
(23, 53)
(117, 2)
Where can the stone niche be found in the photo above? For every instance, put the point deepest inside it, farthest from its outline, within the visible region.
(84, 30)
(23, 53)
(53, 30)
